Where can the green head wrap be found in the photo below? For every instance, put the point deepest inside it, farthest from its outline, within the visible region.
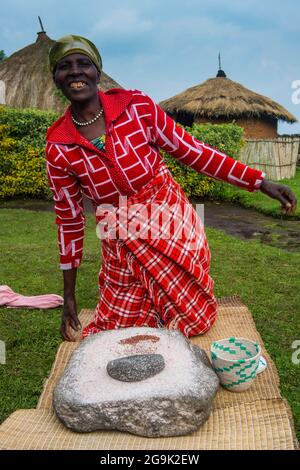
(70, 45)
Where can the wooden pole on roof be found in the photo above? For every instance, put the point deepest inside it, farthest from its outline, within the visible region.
(42, 27)
(221, 72)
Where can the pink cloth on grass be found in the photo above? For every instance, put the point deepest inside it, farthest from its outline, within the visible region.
(9, 298)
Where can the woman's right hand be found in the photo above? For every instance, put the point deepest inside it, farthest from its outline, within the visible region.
(69, 320)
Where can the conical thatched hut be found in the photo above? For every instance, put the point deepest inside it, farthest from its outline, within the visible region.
(221, 100)
(28, 81)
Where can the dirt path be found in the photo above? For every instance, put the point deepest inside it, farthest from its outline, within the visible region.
(248, 224)
(233, 219)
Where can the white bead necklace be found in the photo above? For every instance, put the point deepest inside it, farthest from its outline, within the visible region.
(87, 123)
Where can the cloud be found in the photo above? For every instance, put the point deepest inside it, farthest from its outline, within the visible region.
(121, 21)
(164, 47)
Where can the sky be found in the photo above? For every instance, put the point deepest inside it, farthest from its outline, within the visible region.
(163, 47)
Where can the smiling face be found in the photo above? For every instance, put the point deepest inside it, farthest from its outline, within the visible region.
(77, 77)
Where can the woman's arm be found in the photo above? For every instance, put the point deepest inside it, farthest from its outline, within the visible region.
(69, 318)
(211, 162)
(282, 193)
(70, 220)
(172, 138)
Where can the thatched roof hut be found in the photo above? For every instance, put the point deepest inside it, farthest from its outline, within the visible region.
(28, 81)
(221, 100)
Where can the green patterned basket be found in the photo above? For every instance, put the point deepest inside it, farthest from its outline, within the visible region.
(235, 361)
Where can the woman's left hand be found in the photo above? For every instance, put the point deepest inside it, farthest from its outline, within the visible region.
(281, 192)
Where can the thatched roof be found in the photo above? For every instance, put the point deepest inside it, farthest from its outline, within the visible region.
(29, 82)
(221, 97)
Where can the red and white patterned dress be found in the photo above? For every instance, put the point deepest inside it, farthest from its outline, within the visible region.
(142, 281)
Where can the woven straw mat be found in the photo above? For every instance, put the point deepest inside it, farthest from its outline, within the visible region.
(258, 418)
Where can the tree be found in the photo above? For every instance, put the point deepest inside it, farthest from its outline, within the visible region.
(2, 55)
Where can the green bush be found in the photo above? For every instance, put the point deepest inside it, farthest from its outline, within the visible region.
(28, 125)
(227, 138)
(22, 155)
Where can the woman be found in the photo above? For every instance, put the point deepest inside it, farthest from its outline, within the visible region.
(106, 147)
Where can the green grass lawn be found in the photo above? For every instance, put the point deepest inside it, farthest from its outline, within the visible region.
(260, 201)
(267, 279)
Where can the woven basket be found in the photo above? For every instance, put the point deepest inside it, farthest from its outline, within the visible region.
(236, 361)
